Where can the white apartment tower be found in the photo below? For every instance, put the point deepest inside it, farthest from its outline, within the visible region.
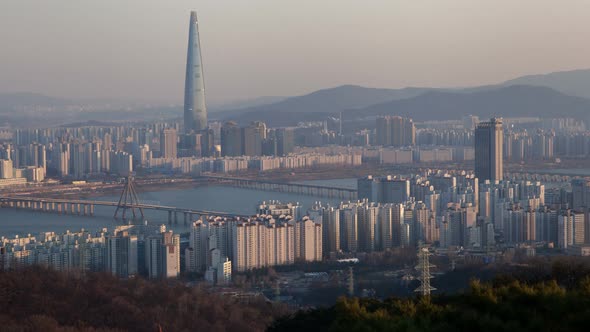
(308, 240)
(196, 253)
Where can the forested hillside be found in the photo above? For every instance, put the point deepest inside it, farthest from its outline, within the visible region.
(37, 299)
(529, 301)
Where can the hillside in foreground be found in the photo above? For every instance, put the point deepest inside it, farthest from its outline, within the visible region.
(38, 299)
(541, 295)
(528, 301)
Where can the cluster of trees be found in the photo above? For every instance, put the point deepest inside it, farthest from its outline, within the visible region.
(39, 299)
(543, 294)
(543, 297)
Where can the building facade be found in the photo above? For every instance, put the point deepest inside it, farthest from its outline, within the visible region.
(195, 109)
(489, 138)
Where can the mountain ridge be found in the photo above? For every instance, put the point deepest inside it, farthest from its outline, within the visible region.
(571, 82)
(513, 100)
(554, 89)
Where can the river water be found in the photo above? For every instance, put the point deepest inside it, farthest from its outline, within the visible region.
(213, 198)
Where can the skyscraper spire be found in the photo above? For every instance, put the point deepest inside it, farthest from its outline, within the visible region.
(195, 109)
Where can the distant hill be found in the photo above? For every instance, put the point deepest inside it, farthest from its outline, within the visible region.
(554, 94)
(325, 101)
(340, 98)
(573, 83)
(37, 110)
(511, 101)
(245, 103)
(420, 103)
(9, 101)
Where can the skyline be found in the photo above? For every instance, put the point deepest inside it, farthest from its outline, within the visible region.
(474, 44)
(361, 157)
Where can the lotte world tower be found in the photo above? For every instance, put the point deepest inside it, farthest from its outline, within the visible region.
(195, 109)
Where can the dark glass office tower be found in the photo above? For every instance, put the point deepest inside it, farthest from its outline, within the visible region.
(489, 138)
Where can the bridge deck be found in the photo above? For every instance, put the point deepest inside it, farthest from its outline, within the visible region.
(115, 204)
(299, 185)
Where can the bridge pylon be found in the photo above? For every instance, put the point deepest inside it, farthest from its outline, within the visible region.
(129, 200)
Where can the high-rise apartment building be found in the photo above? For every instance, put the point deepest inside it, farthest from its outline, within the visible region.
(424, 229)
(231, 139)
(395, 131)
(196, 253)
(391, 219)
(190, 145)
(580, 194)
(122, 254)
(168, 143)
(5, 169)
(308, 240)
(570, 229)
(61, 159)
(224, 233)
(7, 151)
(368, 188)
(394, 190)
(488, 150)
(331, 230)
(170, 255)
(258, 245)
(207, 142)
(195, 109)
(285, 141)
(254, 135)
(162, 255)
(153, 255)
(349, 235)
(34, 154)
(367, 224)
(219, 270)
(278, 209)
(385, 189)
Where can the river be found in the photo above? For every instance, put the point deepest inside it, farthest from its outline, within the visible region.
(213, 198)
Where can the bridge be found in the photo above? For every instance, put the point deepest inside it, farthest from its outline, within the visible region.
(127, 201)
(288, 187)
(86, 207)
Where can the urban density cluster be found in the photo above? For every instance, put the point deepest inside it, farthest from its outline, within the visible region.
(86, 152)
(145, 250)
(276, 235)
(484, 211)
(445, 210)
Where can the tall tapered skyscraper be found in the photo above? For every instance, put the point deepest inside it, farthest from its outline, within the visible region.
(195, 109)
(489, 138)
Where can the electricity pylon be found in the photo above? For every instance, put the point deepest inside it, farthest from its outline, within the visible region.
(423, 269)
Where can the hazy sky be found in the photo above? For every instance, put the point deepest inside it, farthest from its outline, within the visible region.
(136, 49)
